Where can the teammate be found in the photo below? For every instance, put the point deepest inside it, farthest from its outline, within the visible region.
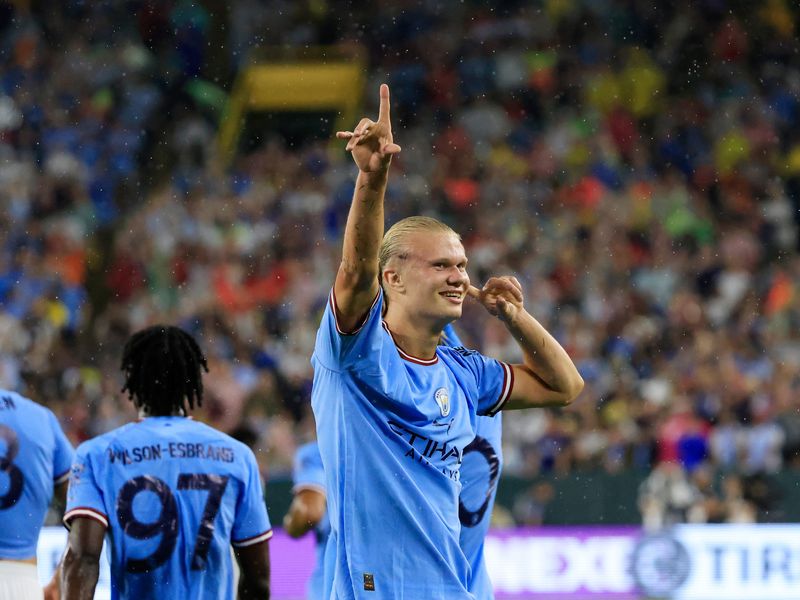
(34, 464)
(171, 493)
(394, 410)
(308, 511)
(480, 472)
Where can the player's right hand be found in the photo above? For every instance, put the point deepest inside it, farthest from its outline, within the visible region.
(371, 143)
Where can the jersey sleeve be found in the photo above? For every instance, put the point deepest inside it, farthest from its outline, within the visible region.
(63, 454)
(494, 380)
(84, 498)
(308, 472)
(338, 350)
(251, 524)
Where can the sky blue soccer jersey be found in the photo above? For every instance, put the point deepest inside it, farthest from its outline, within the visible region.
(309, 474)
(480, 471)
(174, 494)
(392, 430)
(35, 455)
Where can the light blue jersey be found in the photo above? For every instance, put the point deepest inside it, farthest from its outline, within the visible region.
(35, 455)
(174, 494)
(309, 474)
(392, 430)
(480, 471)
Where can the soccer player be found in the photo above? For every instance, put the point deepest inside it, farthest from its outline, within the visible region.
(308, 511)
(171, 493)
(34, 465)
(480, 472)
(394, 409)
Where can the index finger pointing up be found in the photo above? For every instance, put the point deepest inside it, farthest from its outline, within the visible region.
(383, 114)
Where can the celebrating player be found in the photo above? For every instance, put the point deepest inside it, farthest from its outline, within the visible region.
(308, 511)
(395, 411)
(35, 461)
(173, 494)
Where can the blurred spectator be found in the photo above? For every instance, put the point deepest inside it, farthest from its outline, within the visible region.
(726, 441)
(762, 493)
(762, 443)
(737, 508)
(708, 506)
(728, 505)
(667, 496)
(530, 507)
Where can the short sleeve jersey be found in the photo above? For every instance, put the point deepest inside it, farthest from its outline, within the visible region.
(308, 473)
(35, 455)
(392, 429)
(174, 494)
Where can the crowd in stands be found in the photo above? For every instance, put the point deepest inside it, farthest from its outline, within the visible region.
(635, 164)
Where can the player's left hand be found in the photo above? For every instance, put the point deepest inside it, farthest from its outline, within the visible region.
(501, 296)
(371, 142)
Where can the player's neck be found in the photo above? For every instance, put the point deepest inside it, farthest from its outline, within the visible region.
(144, 412)
(417, 339)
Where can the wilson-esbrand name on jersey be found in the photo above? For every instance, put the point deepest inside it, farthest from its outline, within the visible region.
(130, 456)
(7, 403)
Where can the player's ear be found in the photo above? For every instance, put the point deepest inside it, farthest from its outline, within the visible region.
(393, 280)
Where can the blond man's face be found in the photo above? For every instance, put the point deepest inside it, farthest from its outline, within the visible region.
(434, 278)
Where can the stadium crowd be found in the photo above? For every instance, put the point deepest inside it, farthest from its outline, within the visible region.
(637, 166)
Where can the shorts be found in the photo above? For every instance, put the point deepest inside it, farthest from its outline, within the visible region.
(19, 581)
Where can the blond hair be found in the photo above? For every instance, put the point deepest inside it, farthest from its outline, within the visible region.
(393, 243)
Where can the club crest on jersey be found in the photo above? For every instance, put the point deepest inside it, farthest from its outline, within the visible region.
(443, 400)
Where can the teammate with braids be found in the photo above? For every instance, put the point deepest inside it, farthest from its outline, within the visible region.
(172, 494)
(167, 388)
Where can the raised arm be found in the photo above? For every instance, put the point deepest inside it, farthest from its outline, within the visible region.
(372, 146)
(548, 376)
